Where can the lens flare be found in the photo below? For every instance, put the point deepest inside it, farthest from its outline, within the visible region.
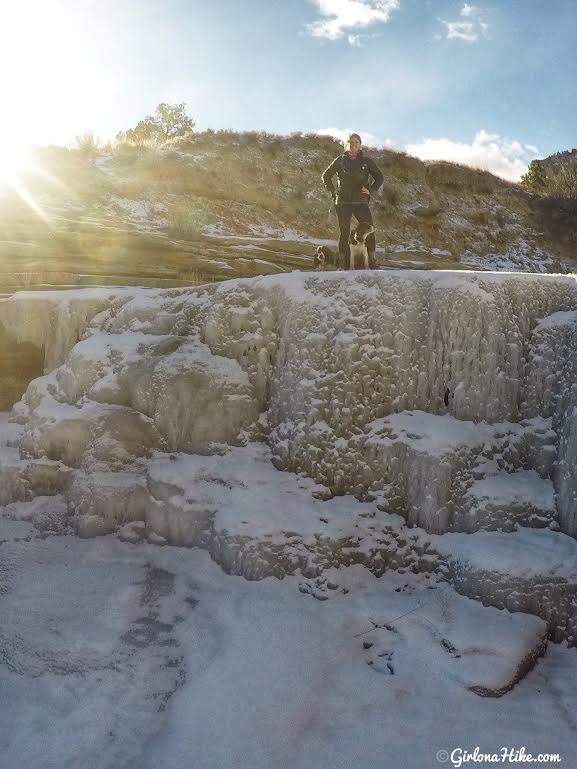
(15, 164)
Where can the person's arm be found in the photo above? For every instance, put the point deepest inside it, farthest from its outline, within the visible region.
(377, 176)
(328, 173)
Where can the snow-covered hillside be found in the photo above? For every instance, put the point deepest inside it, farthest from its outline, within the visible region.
(397, 448)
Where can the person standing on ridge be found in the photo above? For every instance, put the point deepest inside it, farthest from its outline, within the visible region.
(354, 171)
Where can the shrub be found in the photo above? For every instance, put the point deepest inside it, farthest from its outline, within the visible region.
(557, 216)
(87, 147)
(563, 181)
(558, 180)
(185, 222)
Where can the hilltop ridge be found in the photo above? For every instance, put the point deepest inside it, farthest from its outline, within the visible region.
(225, 204)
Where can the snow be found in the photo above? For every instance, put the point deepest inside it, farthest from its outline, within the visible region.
(300, 519)
(266, 232)
(157, 656)
(429, 433)
(556, 320)
(416, 248)
(9, 432)
(217, 231)
(56, 320)
(408, 262)
(463, 476)
(248, 247)
(201, 364)
(522, 487)
(145, 215)
(521, 256)
(239, 495)
(526, 553)
(137, 209)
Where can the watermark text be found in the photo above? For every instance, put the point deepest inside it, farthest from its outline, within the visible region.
(460, 757)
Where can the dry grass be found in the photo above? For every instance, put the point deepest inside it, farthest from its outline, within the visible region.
(405, 168)
(457, 177)
(239, 179)
(482, 218)
(391, 196)
(186, 220)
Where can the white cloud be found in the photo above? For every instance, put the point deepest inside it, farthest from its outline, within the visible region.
(359, 40)
(344, 15)
(504, 157)
(367, 138)
(469, 27)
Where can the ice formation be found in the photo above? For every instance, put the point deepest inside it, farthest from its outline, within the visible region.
(411, 420)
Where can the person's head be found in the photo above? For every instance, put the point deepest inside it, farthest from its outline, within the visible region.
(353, 144)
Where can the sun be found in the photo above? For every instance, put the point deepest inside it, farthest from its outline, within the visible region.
(14, 163)
(51, 87)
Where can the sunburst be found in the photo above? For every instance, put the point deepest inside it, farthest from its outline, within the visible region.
(15, 164)
(48, 86)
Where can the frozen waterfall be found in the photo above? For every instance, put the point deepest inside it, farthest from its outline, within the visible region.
(424, 419)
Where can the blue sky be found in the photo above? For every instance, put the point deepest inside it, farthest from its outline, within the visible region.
(492, 83)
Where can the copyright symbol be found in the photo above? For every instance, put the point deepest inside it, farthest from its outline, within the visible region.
(442, 756)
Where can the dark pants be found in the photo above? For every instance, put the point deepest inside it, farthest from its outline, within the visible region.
(362, 213)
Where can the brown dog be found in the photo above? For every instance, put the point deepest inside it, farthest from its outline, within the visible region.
(325, 258)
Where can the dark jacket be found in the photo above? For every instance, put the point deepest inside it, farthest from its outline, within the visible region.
(352, 174)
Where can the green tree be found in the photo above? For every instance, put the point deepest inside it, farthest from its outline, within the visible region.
(535, 179)
(168, 122)
(173, 120)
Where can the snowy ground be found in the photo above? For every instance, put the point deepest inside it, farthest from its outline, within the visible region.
(520, 257)
(122, 656)
(158, 659)
(240, 419)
